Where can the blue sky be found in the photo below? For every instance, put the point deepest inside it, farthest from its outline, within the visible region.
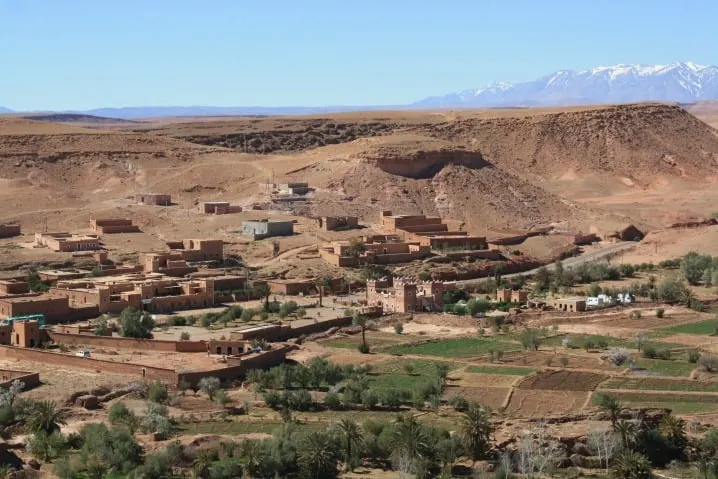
(78, 54)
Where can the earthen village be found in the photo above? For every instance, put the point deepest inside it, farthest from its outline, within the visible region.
(227, 297)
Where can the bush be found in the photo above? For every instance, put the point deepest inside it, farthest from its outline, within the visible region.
(264, 315)
(247, 315)
(530, 339)
(477, 305)
(693, 356)
(660, 312)
(157, 392)
(273, 400)
(564, 361)
(370, 398)
(136, 324)
(301, 312)
(209, 385)
(184, 336)
(708, 363)
(331, 400)
(619, 356)
(364, 348)
(459, 403)
(635, 314)
(398, 328)
(120, 415)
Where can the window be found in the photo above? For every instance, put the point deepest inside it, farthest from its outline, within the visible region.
(229, 350)
(219, 349)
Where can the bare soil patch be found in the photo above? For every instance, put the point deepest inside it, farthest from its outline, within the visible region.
(540, 403)
(493, 397)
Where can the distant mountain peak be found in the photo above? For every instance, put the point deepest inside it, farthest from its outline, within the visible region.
(674, 82)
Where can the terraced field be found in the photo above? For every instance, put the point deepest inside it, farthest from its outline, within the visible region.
(455, 348)
(659, 384)
(562, 380)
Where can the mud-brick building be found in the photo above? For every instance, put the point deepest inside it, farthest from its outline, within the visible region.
(154, 199)
(260, 229)
(8, 230)
(405, 296)
(54, 308)
(338, 223)
(67, 242)
(113, 225)
(195, 250)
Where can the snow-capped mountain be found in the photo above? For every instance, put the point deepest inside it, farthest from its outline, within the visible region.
(677, 82)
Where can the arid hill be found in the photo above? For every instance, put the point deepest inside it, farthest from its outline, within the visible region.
(639, 142)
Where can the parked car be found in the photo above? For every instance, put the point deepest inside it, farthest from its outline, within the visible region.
(83, 353)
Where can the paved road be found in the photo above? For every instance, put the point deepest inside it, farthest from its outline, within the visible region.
(570, 262)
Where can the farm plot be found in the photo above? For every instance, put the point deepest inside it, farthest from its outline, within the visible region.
(679, 403)
(539, 403)
(491, 369)
(706, 327)
(455, 348)
(659, 384)
(375, 339)
(562, 380)
(411, 374)
(650, 321)
(539, 359)
(660, 367)
(492, 397)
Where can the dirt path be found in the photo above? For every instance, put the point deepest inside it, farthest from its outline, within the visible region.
(281, 256)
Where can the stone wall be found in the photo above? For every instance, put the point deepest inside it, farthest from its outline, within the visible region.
(7, 376)
(128, 343)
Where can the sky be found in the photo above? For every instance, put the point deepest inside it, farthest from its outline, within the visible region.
(83, 54)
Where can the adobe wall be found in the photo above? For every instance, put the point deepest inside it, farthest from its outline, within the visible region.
(7, 376)
(263, 360)
(317, 327)
(97, 365)
(127, 343)
(291, 288)
(54, 309)
(8, 230)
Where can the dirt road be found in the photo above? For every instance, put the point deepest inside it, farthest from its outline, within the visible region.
(570, 262)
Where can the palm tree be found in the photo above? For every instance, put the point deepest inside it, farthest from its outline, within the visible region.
(410, 439)
(46, 417)
(201, 465)
(674, 430)
(361, 321)
(610, 404)
(476, 428)
(317, 455)
(254, 454)
(627, 432)
(352, 436)
(631, 465)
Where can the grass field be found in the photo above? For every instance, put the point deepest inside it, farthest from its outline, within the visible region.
(393, 374)
(229, 427)
(673, 368)
(507, 370)
(657, 384)
(455, 348)
(707, 327)
(579, 341)
(678, 403)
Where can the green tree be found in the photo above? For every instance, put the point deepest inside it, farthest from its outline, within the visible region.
(101, 327)
(693, 266)
(673, 430)
(46, 417)
(477, 305)
(671, 290)
(531, 339)
(136, 324)
(631, 465)
(318, 455)
(321, 284)
(410, 443)
(261, 290)
(121, 415)
(47, 446)
(476, 428)
(104, 449)
(184, 336)
(361, 321)
(352, 437)
(542, 279)
(594, 289)
(157, 392)
(209, 385)
(35, 284)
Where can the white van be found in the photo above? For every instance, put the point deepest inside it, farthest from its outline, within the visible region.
(83, 353)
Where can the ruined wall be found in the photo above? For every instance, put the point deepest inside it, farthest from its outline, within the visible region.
(7, 376)
(7, 230)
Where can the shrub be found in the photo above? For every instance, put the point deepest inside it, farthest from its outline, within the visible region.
(398, 328)
(459, 403)
(364, 348)
(619, 356)
(370, 398)
(301, 312)
(331, 400)
(157, 392)
(119, 414)
(602, 343)
(660, 312)
(563, 360)
(222, 398)
(247, 315)
(273, 400)
(548, 361)
(530, 339)
(264, 315)
(136, 324)
(635, 314)
(708, 363)
(693, 356)
(184, 336)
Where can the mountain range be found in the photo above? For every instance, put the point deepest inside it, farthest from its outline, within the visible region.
(682, 82)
